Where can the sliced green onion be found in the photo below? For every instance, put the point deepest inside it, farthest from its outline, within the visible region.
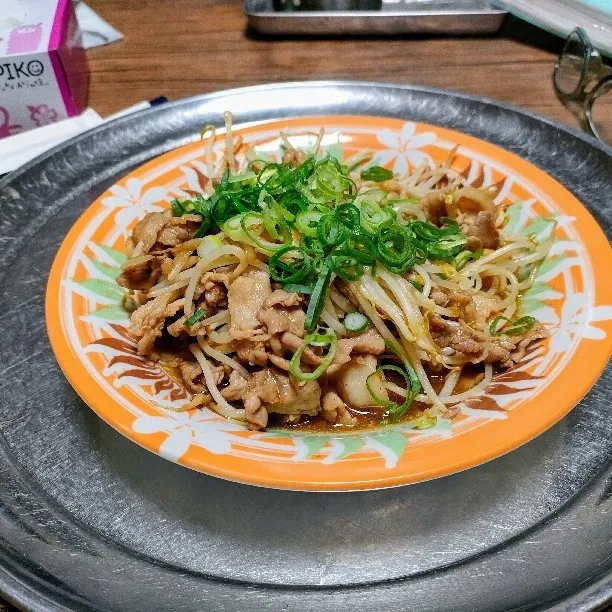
(312, 246)
(292, 200)
(445, 248)
(464, 257)
(289, 271)
(372, 215)
(250, 220)
(328, 180)
(180, 206)
(517, 327)
(293, 288)
(346, 266)
(268, 172)
(317, 299)
(355, 322)
(413, 386)
(377, 174)
(361, 248)
(306, 222)
(417, 285)
(331, 231)
(242, 178)
(276, 223)
(375, 195)
(348, 215)
(389, 405)
(198, 205)
(315, 339)
(452, 227)
(425, 231)
(195, 317)
(395, 250)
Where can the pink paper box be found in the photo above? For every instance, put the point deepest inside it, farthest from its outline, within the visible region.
(43, 67)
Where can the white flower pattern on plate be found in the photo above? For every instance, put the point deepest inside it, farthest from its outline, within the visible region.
(199, 427)
(576, 319)
(404, 147)
(134, 202)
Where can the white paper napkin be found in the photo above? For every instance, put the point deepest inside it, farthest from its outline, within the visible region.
(18, 149)
(95, 31)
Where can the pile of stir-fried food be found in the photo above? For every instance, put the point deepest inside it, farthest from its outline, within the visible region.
(317, 289)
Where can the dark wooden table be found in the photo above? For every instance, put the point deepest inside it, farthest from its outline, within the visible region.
(180, 48)
(185, 47)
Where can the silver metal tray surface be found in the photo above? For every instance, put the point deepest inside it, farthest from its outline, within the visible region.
(372, 17)
(90, 521)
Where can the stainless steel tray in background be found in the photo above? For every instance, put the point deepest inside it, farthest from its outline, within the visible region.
(90, 521)
(372, 17)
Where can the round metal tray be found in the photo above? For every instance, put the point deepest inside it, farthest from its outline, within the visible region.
(89, 520)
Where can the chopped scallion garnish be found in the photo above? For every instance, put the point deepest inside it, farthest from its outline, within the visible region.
(317, 299)
(195, 317)
(376, 174)
(319, 340)
(516, 328)
(312, 225)
(355, 322)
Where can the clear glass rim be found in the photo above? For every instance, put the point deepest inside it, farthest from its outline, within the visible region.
(597, 91)
(586, 55)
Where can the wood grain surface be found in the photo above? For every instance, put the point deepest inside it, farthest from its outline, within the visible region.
(186, 47)
(180, 48)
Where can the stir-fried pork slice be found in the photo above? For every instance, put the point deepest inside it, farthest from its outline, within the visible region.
(293, 157)
(293, 399)
(282, 313)
(475, 310)
(215, 294)
(270, 390)
(148, 320)
(216, 283)
(476, 346)
(370, 342)
(434, 206)
(146, 230)
(280, 362)
(140, 273)
(537, 332)
(280, 297)
(214, 298)
(438, 296)
(178, 230)
(191, 372)
(351, 382)
(278, 320)
(246, 296)
(334, 410)
(473, 344)
(192, 376)
(237, 387)
(480, 229)
(161, 229)
(252, 352)
(480, 309)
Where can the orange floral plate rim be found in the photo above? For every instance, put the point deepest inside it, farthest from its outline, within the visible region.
(373, 464)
